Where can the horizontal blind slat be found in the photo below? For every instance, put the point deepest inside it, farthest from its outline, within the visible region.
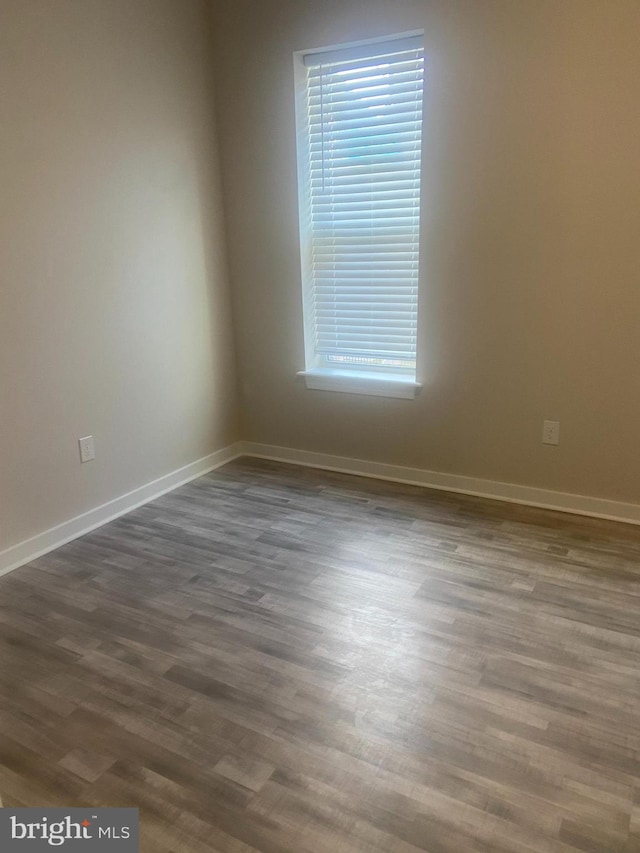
(364, 129)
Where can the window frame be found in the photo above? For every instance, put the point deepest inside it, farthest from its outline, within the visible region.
(361, 379)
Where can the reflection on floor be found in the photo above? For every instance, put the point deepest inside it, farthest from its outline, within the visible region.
(279, 659)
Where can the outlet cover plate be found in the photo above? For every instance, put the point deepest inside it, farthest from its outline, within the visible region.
(551, 432)
(87, 448)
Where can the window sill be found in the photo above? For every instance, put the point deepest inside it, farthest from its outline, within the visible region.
(352, 382)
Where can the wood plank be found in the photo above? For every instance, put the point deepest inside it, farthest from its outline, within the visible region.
(274, 659)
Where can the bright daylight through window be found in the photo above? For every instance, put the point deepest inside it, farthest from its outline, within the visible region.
(359, 113)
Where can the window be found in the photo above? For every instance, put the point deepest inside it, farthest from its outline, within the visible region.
(359, 113)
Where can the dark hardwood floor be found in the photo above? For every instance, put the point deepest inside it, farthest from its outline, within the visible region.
(279, 659)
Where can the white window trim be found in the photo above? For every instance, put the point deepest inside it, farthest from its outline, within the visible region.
(356, 382)
(400, 384)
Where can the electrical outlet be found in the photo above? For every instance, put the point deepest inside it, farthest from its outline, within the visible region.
(551, 432)
(87, 448)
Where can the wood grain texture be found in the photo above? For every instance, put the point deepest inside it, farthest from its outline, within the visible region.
(285, 660)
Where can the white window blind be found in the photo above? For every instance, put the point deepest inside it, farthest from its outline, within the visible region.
(360, 153)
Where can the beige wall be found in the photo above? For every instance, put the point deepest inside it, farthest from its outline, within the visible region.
(530, 300)
(114, 308)
(114, 316)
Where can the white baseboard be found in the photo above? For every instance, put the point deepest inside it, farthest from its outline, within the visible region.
(36, 546)
(510, 492)
(49, 540)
